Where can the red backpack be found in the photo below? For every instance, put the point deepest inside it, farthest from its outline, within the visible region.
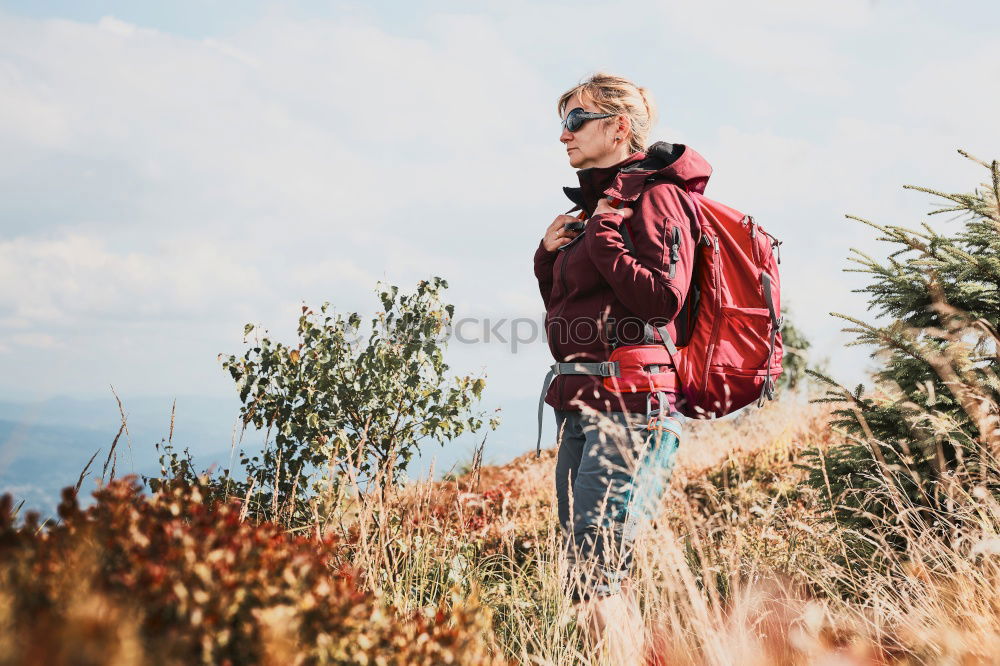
(728, 352)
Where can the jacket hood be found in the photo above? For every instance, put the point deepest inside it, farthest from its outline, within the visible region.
(667, 161)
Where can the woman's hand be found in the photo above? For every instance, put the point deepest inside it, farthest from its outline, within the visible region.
(555, 237)
(604, 206)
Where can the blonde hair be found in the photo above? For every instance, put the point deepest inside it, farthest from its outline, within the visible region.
(617, 95)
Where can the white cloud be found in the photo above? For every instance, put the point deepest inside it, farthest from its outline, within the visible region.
(340, 271)
(298, 124)
(117, 26)
(158, 191)
(798, 42)
(78, 280)
(958, 95)
(232, 52)
(26, 116)
(153, 178)
(36, 341)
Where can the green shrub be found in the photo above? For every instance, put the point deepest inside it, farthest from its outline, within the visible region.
(348, 408)
(795, 359)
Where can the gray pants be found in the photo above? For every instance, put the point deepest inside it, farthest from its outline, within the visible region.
(613, 476)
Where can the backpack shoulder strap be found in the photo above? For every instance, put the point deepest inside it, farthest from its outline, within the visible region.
(627, 239)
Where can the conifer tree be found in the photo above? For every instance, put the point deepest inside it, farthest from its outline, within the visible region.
(929, 432)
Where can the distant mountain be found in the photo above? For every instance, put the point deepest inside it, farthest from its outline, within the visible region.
(36, 461)
(148, 416)
(45, 445)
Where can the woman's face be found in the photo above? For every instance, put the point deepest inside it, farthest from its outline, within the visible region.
(594, 143)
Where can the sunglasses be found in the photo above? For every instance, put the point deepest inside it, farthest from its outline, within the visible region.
(577, 117)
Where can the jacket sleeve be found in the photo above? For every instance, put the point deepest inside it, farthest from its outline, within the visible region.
(544, 263)
(643, 282)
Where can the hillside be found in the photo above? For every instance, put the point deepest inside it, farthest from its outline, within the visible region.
(742, 567)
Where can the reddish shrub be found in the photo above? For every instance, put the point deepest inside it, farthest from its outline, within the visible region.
(170, 579)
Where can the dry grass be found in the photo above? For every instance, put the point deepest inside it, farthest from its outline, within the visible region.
(743, 567)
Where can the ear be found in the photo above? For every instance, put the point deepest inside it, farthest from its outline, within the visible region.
(624, 124)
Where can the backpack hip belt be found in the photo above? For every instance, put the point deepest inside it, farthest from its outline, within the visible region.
(627, 370)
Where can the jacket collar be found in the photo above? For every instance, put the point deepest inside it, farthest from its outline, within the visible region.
(596, 182)
(626, 180)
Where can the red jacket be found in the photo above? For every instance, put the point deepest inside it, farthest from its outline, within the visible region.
(595, 292)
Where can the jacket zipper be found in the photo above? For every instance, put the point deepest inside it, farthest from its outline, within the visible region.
(562, 274)
(562, 281)
(675, 251)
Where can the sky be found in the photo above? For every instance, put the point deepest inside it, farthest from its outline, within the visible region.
(172, 171)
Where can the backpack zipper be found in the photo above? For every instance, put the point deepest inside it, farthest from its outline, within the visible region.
(717, 309)
(775, 246)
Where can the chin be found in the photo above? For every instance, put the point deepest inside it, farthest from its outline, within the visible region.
(575, 159)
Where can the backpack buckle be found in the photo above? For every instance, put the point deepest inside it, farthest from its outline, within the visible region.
(609, 369)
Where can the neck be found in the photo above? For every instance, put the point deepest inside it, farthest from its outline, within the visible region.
(613, 157)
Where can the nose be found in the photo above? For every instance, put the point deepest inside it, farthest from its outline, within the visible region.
(566, 135)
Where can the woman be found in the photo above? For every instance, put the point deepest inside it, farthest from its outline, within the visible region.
(600, 291)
